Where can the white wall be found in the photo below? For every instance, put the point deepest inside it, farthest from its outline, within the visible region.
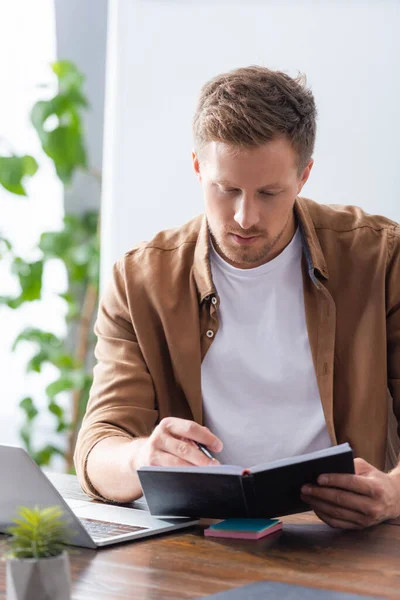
(81, 31)
(161, 52)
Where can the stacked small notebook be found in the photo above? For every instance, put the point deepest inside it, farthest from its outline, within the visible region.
(244, 529)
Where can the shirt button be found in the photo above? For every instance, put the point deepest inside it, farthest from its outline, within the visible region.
(207, 298)
(214, 300)
(210, 333)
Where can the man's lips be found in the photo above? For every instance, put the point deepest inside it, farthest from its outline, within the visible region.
(243, 240)
(245, 237)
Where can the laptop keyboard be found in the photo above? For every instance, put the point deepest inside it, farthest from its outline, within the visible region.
(100, 530)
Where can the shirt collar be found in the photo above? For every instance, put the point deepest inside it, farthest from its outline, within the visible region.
(201, 267)
(311, 247)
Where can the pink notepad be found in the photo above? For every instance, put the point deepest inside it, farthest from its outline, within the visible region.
(246, 529)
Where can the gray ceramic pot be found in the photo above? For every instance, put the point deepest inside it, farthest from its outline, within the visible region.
(31, 579)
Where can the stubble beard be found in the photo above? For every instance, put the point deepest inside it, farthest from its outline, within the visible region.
(245, 255)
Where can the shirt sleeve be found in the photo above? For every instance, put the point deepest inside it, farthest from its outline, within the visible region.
(393, 320)
(122, 397)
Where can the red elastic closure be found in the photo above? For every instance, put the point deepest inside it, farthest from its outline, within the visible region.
(246, 472)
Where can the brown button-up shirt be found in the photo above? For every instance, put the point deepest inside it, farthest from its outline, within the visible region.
(159, 316)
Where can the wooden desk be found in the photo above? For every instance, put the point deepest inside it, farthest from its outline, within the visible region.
(187, 565)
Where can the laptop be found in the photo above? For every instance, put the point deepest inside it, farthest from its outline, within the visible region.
(92, 524)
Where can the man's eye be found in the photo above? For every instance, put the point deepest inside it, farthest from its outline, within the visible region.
(229, 190)
(268, 193)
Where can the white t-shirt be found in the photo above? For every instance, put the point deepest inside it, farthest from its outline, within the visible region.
(260, 393)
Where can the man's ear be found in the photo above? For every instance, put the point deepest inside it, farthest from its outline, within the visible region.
(305, 175)
(196, 165)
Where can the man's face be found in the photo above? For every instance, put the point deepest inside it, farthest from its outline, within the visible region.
(249, 197)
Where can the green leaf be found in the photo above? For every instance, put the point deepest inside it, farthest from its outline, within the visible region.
(72, 380)
(55, 244)
(13, 169)
(78, 246)
(54, 357)
(5, 247)
(62, 426)
(30, 165)
(64, 145)
(73, 313)
(68, 74)
(56, 410)
(40, 112)
(62, 384)
(74, 308)
(45, 339)
(30, 516)
(44, 456)
(26, 436)
(90, 221)
(68, 297)
(64, 361)
(51, 350)
(11, 302)
(30, 280)
(36, 362)
(29, 407)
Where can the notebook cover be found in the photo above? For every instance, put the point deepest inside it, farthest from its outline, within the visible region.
(277, 492)
(265, 494)
(179, 493)
(274, 590)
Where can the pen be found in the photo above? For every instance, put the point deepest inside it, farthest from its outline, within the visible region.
(204, 450)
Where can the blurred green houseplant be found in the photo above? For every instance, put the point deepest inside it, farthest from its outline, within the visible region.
(37, 533)
(77, 246)
(37, 563)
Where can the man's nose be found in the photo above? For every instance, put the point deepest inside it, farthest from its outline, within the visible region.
(246, 213)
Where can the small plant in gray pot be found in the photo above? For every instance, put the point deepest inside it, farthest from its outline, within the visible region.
(37, 564)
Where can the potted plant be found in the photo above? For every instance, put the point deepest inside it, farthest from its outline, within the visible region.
(37, 563)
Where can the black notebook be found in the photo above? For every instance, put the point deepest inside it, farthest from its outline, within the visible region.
(273, 590)
(224, 491)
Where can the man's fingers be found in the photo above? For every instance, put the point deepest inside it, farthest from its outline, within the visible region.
(336, 513)
(186, 450)
(358, 484)
(336, 523)
(339, 497)
(177, 437)
(165, 459)
(191, 430)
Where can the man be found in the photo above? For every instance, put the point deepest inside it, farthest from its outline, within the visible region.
(267, 328)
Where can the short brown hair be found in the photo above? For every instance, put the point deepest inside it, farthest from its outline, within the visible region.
(250, 106)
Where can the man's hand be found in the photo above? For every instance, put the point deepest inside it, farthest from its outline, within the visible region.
(172, 444)
(355, 501)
